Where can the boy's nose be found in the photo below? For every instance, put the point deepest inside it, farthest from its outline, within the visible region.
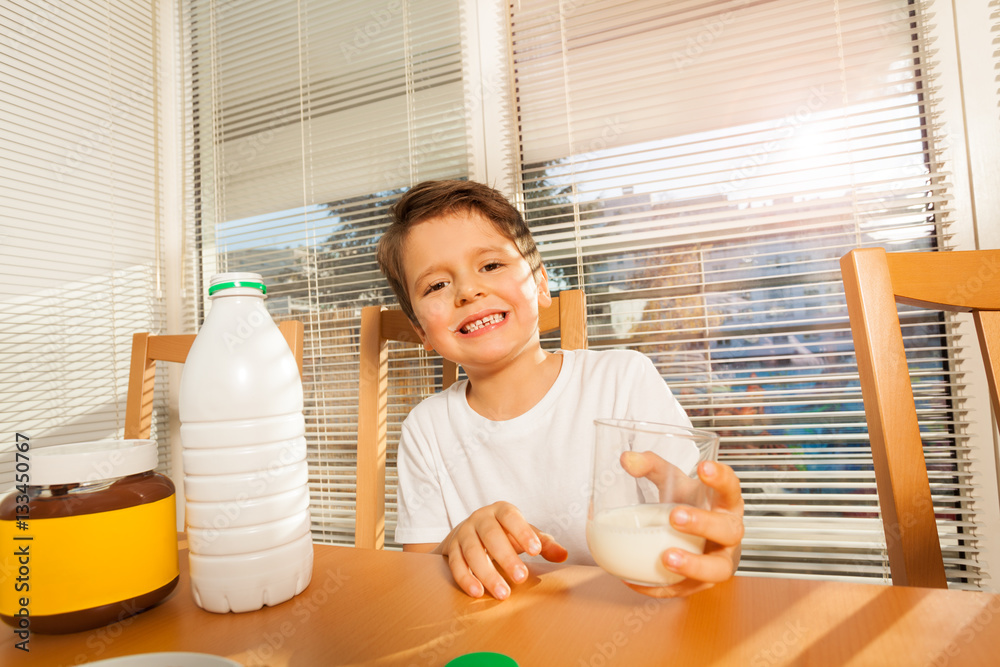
(468, 290)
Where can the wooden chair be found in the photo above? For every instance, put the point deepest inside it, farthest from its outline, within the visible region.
(148, 348)
(874, 281)
(380, 325)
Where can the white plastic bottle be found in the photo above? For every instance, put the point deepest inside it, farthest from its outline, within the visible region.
(244, 450)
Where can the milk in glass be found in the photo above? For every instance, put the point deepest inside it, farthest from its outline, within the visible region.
(628, 542)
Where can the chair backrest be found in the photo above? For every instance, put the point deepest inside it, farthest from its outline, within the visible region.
(380, 325)
(874, 281)
(148, 348)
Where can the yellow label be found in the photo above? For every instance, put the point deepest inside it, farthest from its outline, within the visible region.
(71, 563)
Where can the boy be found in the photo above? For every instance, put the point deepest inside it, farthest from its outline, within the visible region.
(499, 464)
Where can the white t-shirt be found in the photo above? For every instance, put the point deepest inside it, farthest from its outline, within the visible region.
(452, 461)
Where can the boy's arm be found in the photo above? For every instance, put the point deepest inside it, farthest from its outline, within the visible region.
(422, 513)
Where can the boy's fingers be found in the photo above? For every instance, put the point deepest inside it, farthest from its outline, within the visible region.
(517, 536)
(489, 542)
(480, 557)
(462, 575)
(521, 534)
(702, 573)
(503, 533)
(721, 527)
(726, 484)
(646, 464)
(718, 476)
(551, 550)
(711, 568)
(657, 470)
(501, 551)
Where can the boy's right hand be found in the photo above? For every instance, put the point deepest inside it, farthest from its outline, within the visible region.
(495, 535)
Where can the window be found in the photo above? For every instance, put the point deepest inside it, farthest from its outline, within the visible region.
(309, 119)
(81, 260)
(699, 168)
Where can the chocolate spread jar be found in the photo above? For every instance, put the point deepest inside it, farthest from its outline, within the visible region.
(90, 539)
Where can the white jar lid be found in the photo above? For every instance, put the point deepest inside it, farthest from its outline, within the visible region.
(90, 461)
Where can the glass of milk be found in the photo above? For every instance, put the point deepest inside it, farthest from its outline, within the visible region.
(628, 522)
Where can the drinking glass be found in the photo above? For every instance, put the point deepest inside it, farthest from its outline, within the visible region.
(628, 522)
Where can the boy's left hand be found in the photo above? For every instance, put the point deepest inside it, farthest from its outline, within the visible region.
(722, 528)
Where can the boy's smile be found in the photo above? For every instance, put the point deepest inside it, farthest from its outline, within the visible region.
(478, 324)
(475, 297)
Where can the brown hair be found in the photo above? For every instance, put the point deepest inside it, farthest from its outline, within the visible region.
(431, 199)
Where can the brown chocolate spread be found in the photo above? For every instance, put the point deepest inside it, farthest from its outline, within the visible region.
(64, 500)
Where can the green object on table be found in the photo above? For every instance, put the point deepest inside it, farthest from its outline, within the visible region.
(483, 659)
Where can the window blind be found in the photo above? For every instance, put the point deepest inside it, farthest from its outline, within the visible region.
(994, 8)
(698, 168)
(80, 256)
(308, 119)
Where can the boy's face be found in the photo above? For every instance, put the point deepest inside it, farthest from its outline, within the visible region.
(474, 295)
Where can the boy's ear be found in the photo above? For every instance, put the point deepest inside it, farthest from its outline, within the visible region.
(544, 297)
(423, 338)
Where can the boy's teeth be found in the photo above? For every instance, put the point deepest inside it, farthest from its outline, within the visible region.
(480, 323)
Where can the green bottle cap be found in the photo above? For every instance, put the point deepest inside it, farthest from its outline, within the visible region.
(484, 659)
(238, 283)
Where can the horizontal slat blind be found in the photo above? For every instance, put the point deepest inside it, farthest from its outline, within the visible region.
(308, 120)
(341, 83)
(79, 237)
(699, 167)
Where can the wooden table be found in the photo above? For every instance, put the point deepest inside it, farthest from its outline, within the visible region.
(389, 608)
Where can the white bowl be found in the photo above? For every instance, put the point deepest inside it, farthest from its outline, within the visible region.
(167, 660)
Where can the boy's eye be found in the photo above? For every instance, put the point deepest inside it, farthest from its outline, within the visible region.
(492, 266)
(434, 287)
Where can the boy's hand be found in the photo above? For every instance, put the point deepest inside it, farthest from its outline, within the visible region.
(722, 528)
(495, 535)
